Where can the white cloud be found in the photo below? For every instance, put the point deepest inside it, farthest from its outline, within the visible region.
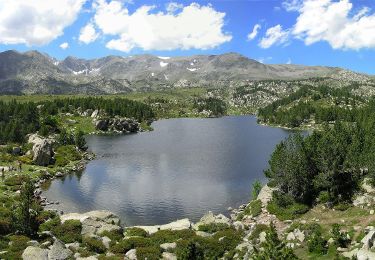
(190, 27)
(173, 7)
(36, 22)
(64, 45)
(289, 61)
(335, 23)
(292, 5)
(274, 36)
(88, 34)
(254, 33)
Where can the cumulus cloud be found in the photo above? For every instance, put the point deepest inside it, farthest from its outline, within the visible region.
(36, 22)
(254, 33)
(289, 61)
(64, 45)
(335, 23)
(187, 27)
(173, 7)
(274, 36)
(88, 34)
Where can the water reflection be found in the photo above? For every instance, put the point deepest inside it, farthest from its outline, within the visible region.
(181, 169)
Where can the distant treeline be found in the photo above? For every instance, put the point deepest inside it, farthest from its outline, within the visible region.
(19, 119)
(285, 112)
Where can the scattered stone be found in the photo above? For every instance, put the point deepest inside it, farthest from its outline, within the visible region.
(363, 254)
(350, 254)
(33, 243)
(238, 225)
(203, 234)
(168, 246)
(290, 237)
(331, 240)
(262, 237)
(300, 236)
(372, 212)
(73, 246)
(168, 256)
(106, 241)
(265, 195)
(176, 225)
(33, 252)
(58, 251)
(131, 254)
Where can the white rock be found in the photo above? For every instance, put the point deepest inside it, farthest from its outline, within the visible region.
(33, 253)
(290, 237)
(262, 237)
(168, 246)
(131, 254)
(363, 254)
(368, 240)
(176, 225)
(168, 256)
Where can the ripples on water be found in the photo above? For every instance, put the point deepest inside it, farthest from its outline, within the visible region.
(183, 168)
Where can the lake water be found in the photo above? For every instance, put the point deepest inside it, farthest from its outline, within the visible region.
(183, 168)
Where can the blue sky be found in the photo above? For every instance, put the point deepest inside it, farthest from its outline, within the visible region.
(311, 32)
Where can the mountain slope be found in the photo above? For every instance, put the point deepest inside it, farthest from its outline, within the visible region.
(33, 72)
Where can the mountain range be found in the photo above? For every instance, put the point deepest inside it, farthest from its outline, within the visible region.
(33, 72)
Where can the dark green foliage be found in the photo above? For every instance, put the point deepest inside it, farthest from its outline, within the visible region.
(148, 253)
(113, 235)
(189, 250)
(66, 154)
(213, 227)
(284, 206)
(80, 141)
(69, 231)
(19, 119)
(25, 214)
(316, 243)
(168, 236)
(130, 243)
(259, 228)
(94, 245)
(340, 238)
(17, 245)
(273, 248)
(217, 106)
(134, 231)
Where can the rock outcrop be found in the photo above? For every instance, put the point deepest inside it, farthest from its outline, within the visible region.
(117, 125)
(42, 150)
(176, 225)
(95, 222)
(33, 252)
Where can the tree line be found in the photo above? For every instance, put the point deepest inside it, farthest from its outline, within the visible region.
(19, 119)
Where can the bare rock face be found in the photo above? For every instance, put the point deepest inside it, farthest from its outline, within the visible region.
(119, 125)
(58, 251)
(95, 222)
(42, 150)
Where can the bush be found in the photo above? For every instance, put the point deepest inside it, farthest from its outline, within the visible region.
(69, 231)
(188, 250)
(254, 208)
(340, 238)
(94, 245)
(257, 186)
(286, 210)
(50, 224)
(259, 228)
(324, 197)
(5, 226)
(136, 232)
(65, 154)
(317, 244)
(15, 180)
(113, 235)
(168, 236)
(130, 243)
(213, 227)
(148, 253)
(17, 246)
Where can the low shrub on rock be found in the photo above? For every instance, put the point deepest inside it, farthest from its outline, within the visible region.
(130, 243)
(94, 244)
(213, 227)
(136, 232)
(114, 235)
(149, 253)
(69, 231)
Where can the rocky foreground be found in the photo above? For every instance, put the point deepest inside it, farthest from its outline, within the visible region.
(97, 223)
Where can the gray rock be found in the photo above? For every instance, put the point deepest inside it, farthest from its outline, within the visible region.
(364, 254)
(58, 251)
(106, 241)
(33, 243)
(33, 253)
(300, 236)
(265, 195)
(262, 237)
(290, 237)
(131, 254)
(42, 150)
(168, 256)
(176, 225)
(168, 246)
(210, 218)
(203, 234)
(368, 240)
